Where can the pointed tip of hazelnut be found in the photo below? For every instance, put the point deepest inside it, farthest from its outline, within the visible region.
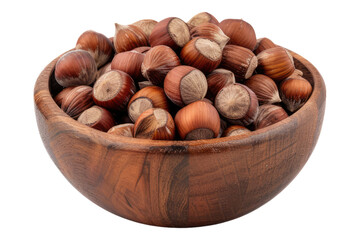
(275, 98)
(210, 31)
(251, 68)
(202, 17)
(119, 26)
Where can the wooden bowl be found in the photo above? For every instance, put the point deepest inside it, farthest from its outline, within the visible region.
(180, 183)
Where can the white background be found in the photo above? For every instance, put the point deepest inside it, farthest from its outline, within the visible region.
(37, 202)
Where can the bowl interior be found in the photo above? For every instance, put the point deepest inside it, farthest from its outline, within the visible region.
(55, 88)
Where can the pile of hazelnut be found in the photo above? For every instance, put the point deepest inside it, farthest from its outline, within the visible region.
(175, 80)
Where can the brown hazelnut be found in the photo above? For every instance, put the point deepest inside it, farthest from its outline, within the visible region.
(235, 130)
(265, 89)
(75, 68)
(98, 45)
(146, 98)
(268, 115)
(144, 84)
(184, 85)
(113, 90)
(104, 69)
(201, 53)
(198, 120)
(61, 95)
(210, 31)
(172, 32)
(158, 61)
(129, 62)
(125, 130)
(297, 73)
(223, 126)
(241, 61)
(146, 25)
(237, 104)
(295, 92)
(77, 100)
(240, 33)
(218, 79)
(200, 18)
(276, 63)
(208, 101)
(98, 118)
(143, 49)
(262, 44)
(155, 124)
(128, 37)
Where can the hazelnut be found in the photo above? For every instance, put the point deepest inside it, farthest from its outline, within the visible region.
(61, 95)
(295, 92)
(237, 104)
(148, 97)
(212, 79)
(144, 84)
(241, 61)
(128, 37)
(201, 53)
(98, 118)
(104, 69)
(155, 124)
(200, 18)
(146, 25)
(184, 85)
(172, 32)
(240, 33)
(236, 130)
(111, 39)
(98, 45)
(276, 63)
(208, 101)
(218, 79)
(265, 89)
(210, 31)
(158, 61)
(268, 115)
(198, 120)
(113, 90)
(129, 62)
(223, 126)
(297, 73)
(77, 100)
(143, 49)
(125, 130)
(262, 44)
(75, 68)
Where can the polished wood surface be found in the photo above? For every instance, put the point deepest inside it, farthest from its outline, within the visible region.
(180, 183)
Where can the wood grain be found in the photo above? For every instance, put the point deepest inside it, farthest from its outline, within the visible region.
(176, 183)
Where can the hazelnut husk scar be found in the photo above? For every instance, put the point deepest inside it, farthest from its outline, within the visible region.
(170, 79)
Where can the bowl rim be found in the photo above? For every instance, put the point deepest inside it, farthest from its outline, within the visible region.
(46, 105)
